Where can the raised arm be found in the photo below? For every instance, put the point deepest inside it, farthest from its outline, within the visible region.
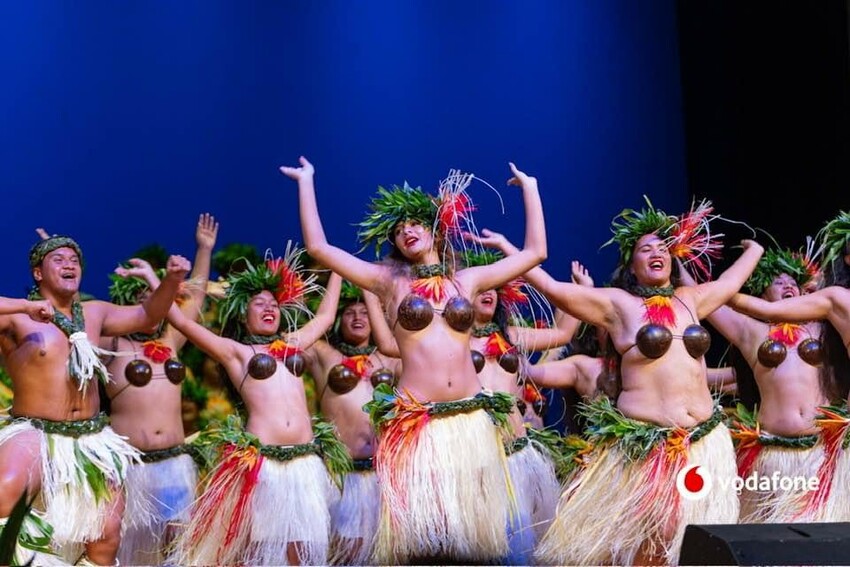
(206, 234)
(737, 328)
(364, 275)
(814, 306)
(221, 349)
(711, 295)
(121, 320)
(590, 304)
(482, 278)
(565, 324)
(382, 335)
(323, 320)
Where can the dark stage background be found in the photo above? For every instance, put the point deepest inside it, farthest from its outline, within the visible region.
(122, 121)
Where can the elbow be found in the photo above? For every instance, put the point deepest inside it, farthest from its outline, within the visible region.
(542, 255)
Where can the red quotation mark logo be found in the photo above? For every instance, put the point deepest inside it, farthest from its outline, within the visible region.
(693, 482)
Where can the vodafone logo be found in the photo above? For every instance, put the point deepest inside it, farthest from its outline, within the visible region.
(693, 482)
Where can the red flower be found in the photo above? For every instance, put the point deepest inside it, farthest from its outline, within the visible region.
(156, 351)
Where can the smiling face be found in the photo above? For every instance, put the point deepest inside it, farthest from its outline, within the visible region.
(59, 273)
(413, 240)
(263, 316)
(354, 326)
(783, 286)
(485, 306)
(651, 262)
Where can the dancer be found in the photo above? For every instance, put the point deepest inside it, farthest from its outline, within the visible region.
(55, 431)
(266, 500)
(145, 400)
(781, 436)
(831, 306)
(664, 417)
(346, 369)
(437, 421)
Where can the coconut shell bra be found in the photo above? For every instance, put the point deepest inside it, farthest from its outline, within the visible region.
(653, 340)
(415, 312)
(774, 349)
(344, 377)
(263, 365)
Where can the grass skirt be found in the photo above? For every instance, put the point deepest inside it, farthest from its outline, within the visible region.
(537, 490)
(253, 507)
(81, 468)
(354, 519)
(170, 485)
(761, 454)
(445, 488)
(619, 505)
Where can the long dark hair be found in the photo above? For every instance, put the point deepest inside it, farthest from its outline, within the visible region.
(835, 372)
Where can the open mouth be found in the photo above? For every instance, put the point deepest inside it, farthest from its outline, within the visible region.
(268, 318)
(358, 325)
(656, 264)
(788, 294)
(410, 241)
(69, 276)
(487, 300)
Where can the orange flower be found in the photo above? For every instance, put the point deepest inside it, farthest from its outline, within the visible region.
(433, 288)
(357, 364)
(677, 444)
(786, 333)
(280, 350)
(496, 346)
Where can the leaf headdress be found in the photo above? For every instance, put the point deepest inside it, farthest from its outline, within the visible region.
(775, 262)
(688, 237)
(447, 213)
(285, 278)
(834, 238)
(125, 290)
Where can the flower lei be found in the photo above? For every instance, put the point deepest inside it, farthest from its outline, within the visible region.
(786, 333)
(658, 304)
(278, 349)
(430, 282)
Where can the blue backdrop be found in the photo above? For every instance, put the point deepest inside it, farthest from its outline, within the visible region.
(122, 121)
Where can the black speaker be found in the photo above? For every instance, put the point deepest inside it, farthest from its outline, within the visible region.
(760, 544)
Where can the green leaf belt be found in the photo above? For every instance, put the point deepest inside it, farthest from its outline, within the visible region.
(68, 428)
(636, 438)
(283, 453)
(496, 403)
(158, 455)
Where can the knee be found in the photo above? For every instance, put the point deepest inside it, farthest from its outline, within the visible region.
(13, 483)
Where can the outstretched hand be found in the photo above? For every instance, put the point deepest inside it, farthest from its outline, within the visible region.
(41, 310)
(520, 179)
(298, 173)
(581, 275)
(207, 231)
(138, 268)
(488, 239)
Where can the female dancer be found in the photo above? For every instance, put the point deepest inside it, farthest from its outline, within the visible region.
(831, 306)
(664, 417)
(444, 487)
(266, 501)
